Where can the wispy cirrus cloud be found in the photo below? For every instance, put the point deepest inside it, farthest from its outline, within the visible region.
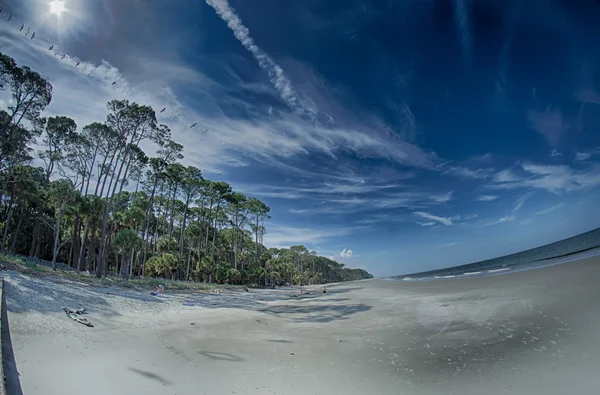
(443, 198)
(551, 209)
(487, 198)
(582, 156)
(521, 201)
(549, 123)
(426, 224)
(287, 235)
(276, 74)
(441, 220)
(450, 244)
(552, 178)
(506, 218)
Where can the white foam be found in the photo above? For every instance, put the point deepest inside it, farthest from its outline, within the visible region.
(498, 270)
(471, 273)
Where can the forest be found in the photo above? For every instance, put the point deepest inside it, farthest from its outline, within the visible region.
(92, 199)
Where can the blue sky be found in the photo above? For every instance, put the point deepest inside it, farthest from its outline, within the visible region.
(397, 136)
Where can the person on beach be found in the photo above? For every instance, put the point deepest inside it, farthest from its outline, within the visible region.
(159, 290)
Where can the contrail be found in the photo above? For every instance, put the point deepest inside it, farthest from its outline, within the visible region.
(275, 72)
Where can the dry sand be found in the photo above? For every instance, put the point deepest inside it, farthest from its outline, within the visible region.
(532, 332)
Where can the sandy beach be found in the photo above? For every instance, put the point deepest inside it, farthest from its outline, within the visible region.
(532, 332)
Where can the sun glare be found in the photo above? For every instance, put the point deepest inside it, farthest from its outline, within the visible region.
(57, 7)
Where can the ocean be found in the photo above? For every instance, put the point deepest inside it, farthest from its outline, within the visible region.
(576, 247)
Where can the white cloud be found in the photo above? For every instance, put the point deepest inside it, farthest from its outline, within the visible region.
(487, 198)
(506, 218)
(465, 172)
(580, 156)
(446, 197)
(556, 153)
(275, 72)
(521, 201)
(346, 253)
(550, 209)
(472, 216)
(505, 175)
(552, 178)
(286, 235)
(549, 123)
(426, 223)
(274, 140)
(442, 220)
(448, 244)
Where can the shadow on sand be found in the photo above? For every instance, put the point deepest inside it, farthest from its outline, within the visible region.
(150, 375)
(320, 313)
(221, 356)
(43, 295)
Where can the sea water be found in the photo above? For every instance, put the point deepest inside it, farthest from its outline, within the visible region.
(585, 245)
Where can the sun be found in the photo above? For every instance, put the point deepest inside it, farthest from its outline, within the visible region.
(57, 7)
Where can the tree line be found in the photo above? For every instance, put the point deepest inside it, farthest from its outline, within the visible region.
(99, 203)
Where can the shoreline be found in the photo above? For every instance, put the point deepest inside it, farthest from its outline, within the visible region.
(531, 265)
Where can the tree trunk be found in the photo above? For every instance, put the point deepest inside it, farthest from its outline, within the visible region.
(183, 224)
(91, 250)
(189, 258)
(256, 238)
(56, 236)
(82, 247)
(13, 243)
(36, 235)
(212, 254)
(6, 226)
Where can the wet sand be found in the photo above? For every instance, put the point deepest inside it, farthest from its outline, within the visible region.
(532, 332)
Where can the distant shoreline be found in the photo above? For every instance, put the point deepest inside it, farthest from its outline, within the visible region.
(575, 245)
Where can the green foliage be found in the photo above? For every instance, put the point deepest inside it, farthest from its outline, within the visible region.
(115, 210)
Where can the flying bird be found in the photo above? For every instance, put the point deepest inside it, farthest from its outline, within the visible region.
(194, 124)
(22, 27)
(33, 36)
(219, 174)
(77, 64)
(163, 110)
(204, 132)
(9, 18)
(27, 32)
(63, 56)
(51, 47)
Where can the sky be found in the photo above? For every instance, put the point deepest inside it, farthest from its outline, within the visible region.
(395, 136)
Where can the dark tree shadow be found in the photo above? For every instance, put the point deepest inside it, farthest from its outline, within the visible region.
(335, 290)
(320, 313)
(11, 374)
(151, 375)
(46, 295)
(221, 356)
(279, 341)
(330, 300)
